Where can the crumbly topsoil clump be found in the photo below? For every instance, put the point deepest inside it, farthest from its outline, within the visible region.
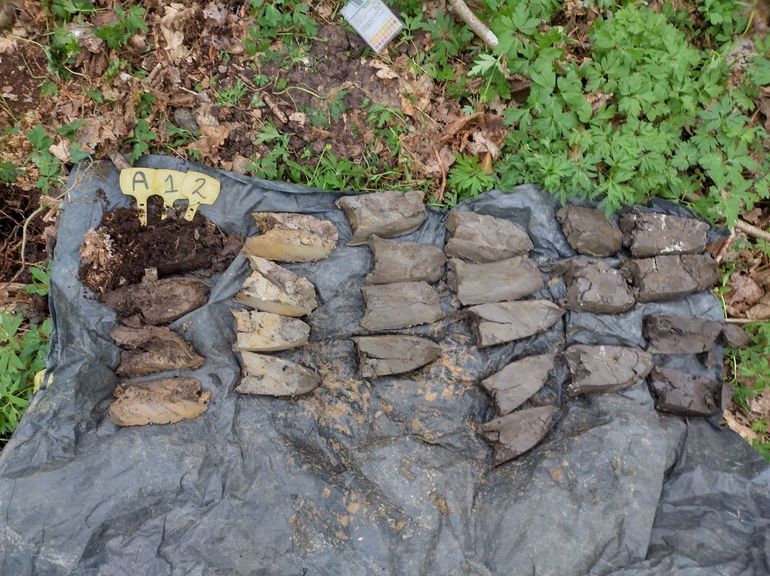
(120, 249)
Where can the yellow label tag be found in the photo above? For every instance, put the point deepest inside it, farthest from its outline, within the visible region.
(168, 185)
(171, 185)
(199, 189)
(138, 182)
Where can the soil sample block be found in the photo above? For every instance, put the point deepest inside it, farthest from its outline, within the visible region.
(272, 288)
(163, 401)
(290, 237)
(508, 321)
(518, 381)
(597, 369)
(384, 355)
(589, 231)
(400, 305)
(592, 286)
(401, 261)
(519, 432)
(153, 349)
(509, 279)
(649, 234)
(271, 376)
(670, 277)
(158, 301)
(686, 394)
(268, 332)
(735, 336)
(482, 238)
(680, 335)
(385, 214)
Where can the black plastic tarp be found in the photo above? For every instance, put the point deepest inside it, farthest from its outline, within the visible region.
(364, 477)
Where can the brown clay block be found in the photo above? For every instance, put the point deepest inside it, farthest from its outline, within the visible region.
(385, 214)
(163, 401)
(509, 279)
(482, 238)
(402, 261)
(287, 237)
(149, 349)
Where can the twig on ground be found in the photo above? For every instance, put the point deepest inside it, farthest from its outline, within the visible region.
(478, 27)
(742, 320)
(440, 193)
(752, 230)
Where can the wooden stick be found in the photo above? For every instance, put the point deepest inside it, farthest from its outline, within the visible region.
(752, 230)
(478, 27)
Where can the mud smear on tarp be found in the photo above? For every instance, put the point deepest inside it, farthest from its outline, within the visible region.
(365, 476)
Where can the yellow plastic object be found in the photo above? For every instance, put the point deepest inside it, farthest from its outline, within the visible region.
(168, 184)
(199, 189)
(39, 379)
(138, 182)
(171, 185)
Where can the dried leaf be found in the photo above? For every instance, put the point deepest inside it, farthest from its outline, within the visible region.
(383, 70)
(61, 150)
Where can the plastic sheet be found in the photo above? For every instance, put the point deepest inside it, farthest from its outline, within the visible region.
(364, 477)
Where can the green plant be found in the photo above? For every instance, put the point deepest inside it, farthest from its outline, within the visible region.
(140, 141)
(8, 172)
(751, 375)
(22, 354)
(468, 178)
(65, 10)
(48, 166)
(275, 18)
(144, 104)
(41, 280)
(647, 114)
(231, 96)
(61, 51)
(128, 23)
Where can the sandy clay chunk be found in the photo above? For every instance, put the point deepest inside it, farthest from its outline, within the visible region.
(384, 355)
(271, 376)
(592, 286)
(517, 382)
(589, 231)
(158, 301)
(152, 349)
(402, 261)
(287, 237)
(271, 288)
(509, 279)
(518, 432)
(508, 321)
(680, 335)
(649, 234)
(670, 277)
(268, 332)
(163, 401)
(482, 238)
(386, 214)
(400, 305)
(683, 393)
(597, 369)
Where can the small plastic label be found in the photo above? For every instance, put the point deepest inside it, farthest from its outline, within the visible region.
(373, 21)
(171, 185)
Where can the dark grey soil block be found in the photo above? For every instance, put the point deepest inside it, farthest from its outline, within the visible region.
(598, 369)
(589, 231)
(686, 394)
(650, 234)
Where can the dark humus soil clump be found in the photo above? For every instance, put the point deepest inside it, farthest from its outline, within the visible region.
(120, 250)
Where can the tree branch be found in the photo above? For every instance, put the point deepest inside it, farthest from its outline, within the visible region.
(478, 27)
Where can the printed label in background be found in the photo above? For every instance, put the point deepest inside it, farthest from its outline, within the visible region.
(373, 21)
